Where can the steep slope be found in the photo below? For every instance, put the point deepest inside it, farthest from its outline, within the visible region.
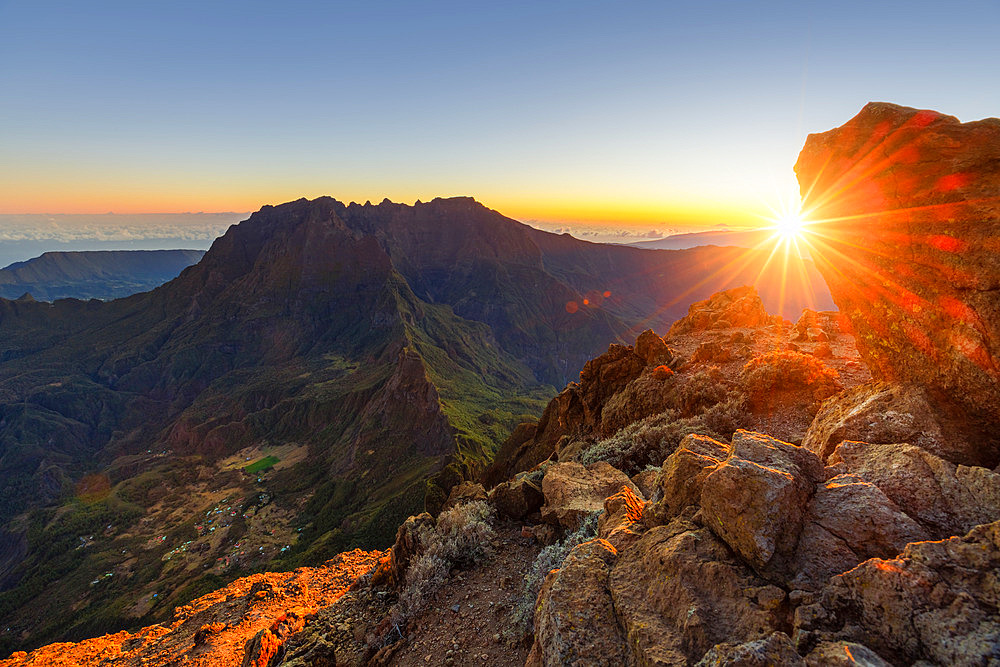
(303, 382)
(740, 548)
(107, 274)
(293, 330)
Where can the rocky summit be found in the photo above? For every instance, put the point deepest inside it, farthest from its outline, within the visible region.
(736, 489)
(907, 238)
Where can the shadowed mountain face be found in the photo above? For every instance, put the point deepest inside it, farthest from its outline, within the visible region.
(105, 274)
(368, 348)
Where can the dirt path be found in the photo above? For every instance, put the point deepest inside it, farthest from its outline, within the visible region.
(465, 622)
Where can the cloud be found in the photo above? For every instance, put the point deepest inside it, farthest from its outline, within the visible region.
(111, 227)
(610, 234)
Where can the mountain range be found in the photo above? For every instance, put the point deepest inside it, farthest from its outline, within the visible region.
(323, 372)
(93, 274)
(744, 238)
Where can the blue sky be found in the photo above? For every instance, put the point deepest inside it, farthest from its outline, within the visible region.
(634, 114)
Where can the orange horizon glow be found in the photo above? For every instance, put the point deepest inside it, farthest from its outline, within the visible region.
(555, 211)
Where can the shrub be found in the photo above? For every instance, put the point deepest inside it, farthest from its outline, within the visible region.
(700, 391)
(649, 441)
(463, 535)
(548, 559)
(788, 370)
(636, 445)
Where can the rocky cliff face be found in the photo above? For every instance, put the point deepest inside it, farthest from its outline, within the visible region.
(726, 364)
(907, 238)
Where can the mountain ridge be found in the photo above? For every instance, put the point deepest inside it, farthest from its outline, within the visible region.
(100, 274)
(380, 353)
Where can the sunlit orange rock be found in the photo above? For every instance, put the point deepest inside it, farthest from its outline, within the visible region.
(736, 307)
(907, 205)
(244, 623)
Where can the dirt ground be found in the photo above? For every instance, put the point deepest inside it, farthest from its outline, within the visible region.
(484, 597)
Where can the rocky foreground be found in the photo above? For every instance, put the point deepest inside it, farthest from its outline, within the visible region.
(740, 491)
(252, 616)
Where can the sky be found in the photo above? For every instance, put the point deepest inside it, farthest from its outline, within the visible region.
(634, 118)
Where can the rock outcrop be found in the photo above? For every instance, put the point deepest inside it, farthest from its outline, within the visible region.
(756, 499)
(245, 623)
(937, 602)
(621, 522)
(847, 521)
(679, 591)
(944, 498)
(573, 491)
(518, 497)
(684, 473)
(575, 619)
(737, 307)
(883, 412)
(908, 227)
(725, 365)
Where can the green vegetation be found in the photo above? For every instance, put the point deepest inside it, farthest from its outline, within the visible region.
(703, 402)
(265, 463)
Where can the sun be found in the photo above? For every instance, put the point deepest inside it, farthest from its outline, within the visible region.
(789, 226)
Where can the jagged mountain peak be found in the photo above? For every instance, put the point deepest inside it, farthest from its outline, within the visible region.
(380, 353)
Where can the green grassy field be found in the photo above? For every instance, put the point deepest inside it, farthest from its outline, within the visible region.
(261, 464)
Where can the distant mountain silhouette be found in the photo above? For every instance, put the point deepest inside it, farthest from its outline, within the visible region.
(94, 274)
(750, 238)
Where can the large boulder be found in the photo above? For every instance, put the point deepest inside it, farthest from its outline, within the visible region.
(937, 602)
(885, 412)
(847, 521)
(575, 620)
(518, 497)
(908, 222)
(650, 348)
(465, 492)
(573, 491)
(684, 473)
(945, 498)
(756, 499)
(679, 591)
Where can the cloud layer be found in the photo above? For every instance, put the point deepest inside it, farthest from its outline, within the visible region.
(190, 227)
